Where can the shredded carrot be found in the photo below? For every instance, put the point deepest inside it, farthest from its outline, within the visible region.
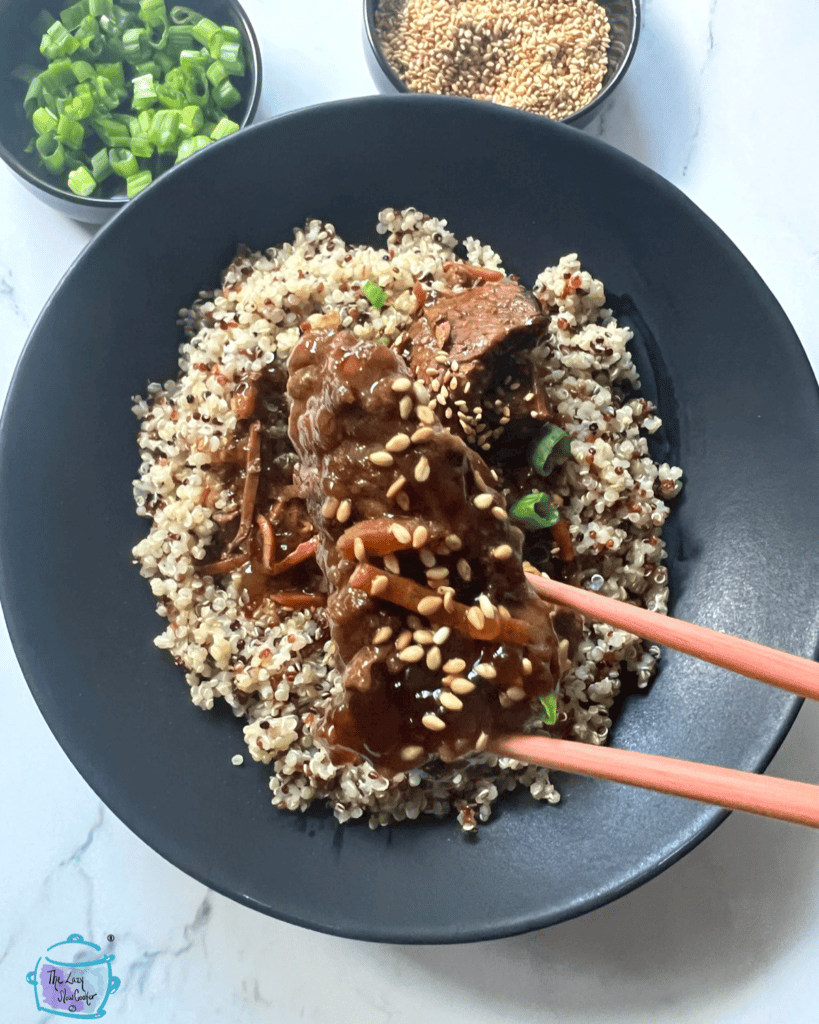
(407, 593)
(223, 565)
(301, 554)
(296, 599)
(481, 273)
(268, 541)
(379, 539)
(252, 474)
(563, 539)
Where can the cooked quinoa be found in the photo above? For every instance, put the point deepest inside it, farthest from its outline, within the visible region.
(548, 58)
(274, 665)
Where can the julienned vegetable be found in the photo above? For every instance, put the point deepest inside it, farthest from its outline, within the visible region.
(129, 90)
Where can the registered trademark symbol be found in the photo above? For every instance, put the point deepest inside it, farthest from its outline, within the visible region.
(110, 938)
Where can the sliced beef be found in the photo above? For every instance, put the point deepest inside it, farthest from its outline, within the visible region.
(440, 639)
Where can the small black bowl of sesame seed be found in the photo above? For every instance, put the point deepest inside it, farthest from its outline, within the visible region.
(562, 60)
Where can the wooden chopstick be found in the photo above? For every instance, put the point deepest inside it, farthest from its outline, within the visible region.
(787, 671)
(797, 802)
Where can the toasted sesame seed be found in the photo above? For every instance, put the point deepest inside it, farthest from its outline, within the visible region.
(420, 535)
(405, 407)
(391, 564)
(499, 513)
(411, 752)
(422, 636)
(526, 666)
(505, 614)
(441, 357)
(402, 501)
(483, 501)
(428, 559)
(379, 585)
(404, 639)
(449, 599)
(429, 605)
(505, 701)
(437, 573)
(329, 508)
(476, 617)
(398, 443)
(434, 659)
(516, 693)
(441, 635)
(433, 722)
(481, 742)
(425, 414)
(382, 635)
(455, 665)
(401, 384)
(420, 392)
(401, 533)
(422, 434)
(462, 686)
(359, 550)
(422, 470)
(411, 654)
(502, 552)
(450, 701)
(464, 570)
(528, 396)
(486, 606)
(396, 486)
(414, 622)
(344, 510)
(454, 542)
(486, 671)
(381, 458)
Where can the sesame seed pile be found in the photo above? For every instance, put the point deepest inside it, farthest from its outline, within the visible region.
(275, 666)
(546, 57)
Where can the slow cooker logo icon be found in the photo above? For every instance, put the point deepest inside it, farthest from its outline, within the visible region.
(73, 979)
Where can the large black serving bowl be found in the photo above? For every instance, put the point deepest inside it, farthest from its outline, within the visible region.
(741, 416)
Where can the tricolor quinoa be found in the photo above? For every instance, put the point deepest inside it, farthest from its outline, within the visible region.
(274, 663)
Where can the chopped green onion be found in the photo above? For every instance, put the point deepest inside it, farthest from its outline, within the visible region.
(184, 16)
(231, 57)
(373, 294)
(223, 128)
(70, 131)
(83, 71)
(51, 151)
(204, 31)
(43, 121)
(81, 181)
(549, 703)
(123, 162)
(42, 23)
(137, 182)
(550, 450)
(535, 511)
(191, 120)
(58, 42)
(72, 16)
(216, 73)
(383, 341)
(226, 95)
(144, 92)
(101, 165)
(187, 147)
(100, 7)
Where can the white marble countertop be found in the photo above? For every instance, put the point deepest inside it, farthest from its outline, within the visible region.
(718, 100)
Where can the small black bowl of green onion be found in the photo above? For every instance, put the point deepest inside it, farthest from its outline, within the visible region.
(103, 96)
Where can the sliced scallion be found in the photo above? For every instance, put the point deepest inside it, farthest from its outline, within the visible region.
(550, 450)
(549, 703)
(535, 511)
(375, 295)
(81, 181)
(137, 182)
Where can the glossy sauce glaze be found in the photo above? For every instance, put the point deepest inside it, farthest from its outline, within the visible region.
(441, 641)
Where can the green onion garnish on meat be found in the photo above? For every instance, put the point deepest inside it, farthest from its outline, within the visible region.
(549, 703)
(535, 511)
(550, 450)
(373, 294)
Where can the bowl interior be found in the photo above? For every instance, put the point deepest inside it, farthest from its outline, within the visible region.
(19, 45)
(624, 21)
(742, 419)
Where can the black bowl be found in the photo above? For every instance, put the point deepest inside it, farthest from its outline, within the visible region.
(19, 45)
(624, 20)
(741, 414)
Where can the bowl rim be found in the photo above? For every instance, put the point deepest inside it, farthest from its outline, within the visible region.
(371, 33)
(113, 203)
